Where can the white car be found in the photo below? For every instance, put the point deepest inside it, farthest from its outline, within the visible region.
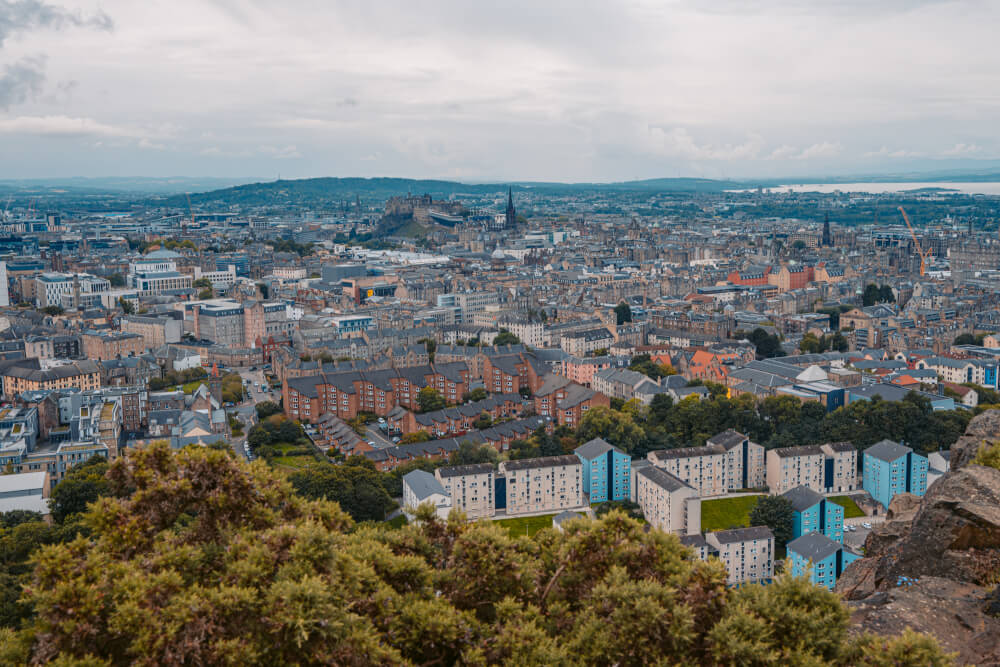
(866, 524)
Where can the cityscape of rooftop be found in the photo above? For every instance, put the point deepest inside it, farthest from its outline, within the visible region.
(443, 333)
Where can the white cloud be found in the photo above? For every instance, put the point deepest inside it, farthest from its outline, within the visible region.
(777, 87)
(63, 126)
(963, 149)
(678, 142)
(886, 152)
(820, 150)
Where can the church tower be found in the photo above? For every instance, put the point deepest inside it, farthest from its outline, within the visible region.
(827, 239)
(215, 384)
(510, 215)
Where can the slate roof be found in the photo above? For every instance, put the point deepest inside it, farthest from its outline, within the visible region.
(728, 439)
(743, 534)
(663, 479)
(802, 498)
(594, 448)
(473, 469)
(542, 462)
(887, 450)
(423, 484)
(814, 546)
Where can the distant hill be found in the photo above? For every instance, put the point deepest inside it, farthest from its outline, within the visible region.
(318, 191)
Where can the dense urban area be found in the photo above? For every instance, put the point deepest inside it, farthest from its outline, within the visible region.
(499, 386)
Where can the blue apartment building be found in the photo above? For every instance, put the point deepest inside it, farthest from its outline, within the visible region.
(891, 468)
(815, 514)
(606, 471)
(820, 557)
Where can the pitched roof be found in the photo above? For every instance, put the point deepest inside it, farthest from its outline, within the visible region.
(423, 484)
(594, 448)
(662, 478)
(542, 462)
(802, 498)
(814, 546)
(887, 450)
(743, 534)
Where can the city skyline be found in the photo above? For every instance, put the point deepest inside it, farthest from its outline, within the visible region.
(542, 92)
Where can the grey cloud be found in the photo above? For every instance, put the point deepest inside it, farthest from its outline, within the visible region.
(21, 80)
(24, 15)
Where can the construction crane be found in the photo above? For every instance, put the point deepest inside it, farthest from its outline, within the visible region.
(916, 243)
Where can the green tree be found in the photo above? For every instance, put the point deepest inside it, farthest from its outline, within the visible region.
(267, 408)
(477, 394)
(206, 294)
(53, 310)
(482, 421)
(886, 295)
(430, 399)
(356, 488)
(82, 485)
(202, 283)
(767, 345)
(470, 452)
(506, 338)
(416, 436)
(777, 513)
(431, 346)
(126, 306)
(617, 427)
(116, 280)
(196, 558)
(623, 313)
(964, 339)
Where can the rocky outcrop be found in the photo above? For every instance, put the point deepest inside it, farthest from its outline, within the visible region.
(952, 612)
(955, 532)
(985, 428)
(934, 565)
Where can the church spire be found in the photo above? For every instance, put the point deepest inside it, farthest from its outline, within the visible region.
(511, 214)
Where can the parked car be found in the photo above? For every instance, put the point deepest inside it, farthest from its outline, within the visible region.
(866, 524)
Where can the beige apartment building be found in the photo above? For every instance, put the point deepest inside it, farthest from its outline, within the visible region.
(702, 468)
(844, 467)
(104, 345)
(546, 484)
(21, 375)
(155, 331)
(470, 488)
(789, 467)
(667, 503)
(744, 465)
(748, 553)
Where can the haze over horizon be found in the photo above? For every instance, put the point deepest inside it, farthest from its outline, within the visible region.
(616, 91)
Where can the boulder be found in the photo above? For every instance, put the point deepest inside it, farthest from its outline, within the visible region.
(950, 611)
(903, 507)
(983, 428)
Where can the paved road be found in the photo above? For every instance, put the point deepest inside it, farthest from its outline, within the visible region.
(375, 435)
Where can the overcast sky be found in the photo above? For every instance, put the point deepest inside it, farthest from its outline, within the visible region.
(532, 90)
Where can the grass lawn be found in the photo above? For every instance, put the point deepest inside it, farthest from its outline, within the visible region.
(295, 463)
(526, 525)
(726, 513)
(851, 509)
(191, 387)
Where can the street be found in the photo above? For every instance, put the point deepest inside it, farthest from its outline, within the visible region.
(252, 398)
(375, 434)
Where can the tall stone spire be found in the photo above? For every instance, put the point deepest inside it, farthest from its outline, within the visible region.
(511, 214)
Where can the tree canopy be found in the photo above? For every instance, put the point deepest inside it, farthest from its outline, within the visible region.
(196, 558)
(777, 513)
(623, 313)
(430, 399)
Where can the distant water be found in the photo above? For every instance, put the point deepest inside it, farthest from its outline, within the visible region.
(879, 188)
